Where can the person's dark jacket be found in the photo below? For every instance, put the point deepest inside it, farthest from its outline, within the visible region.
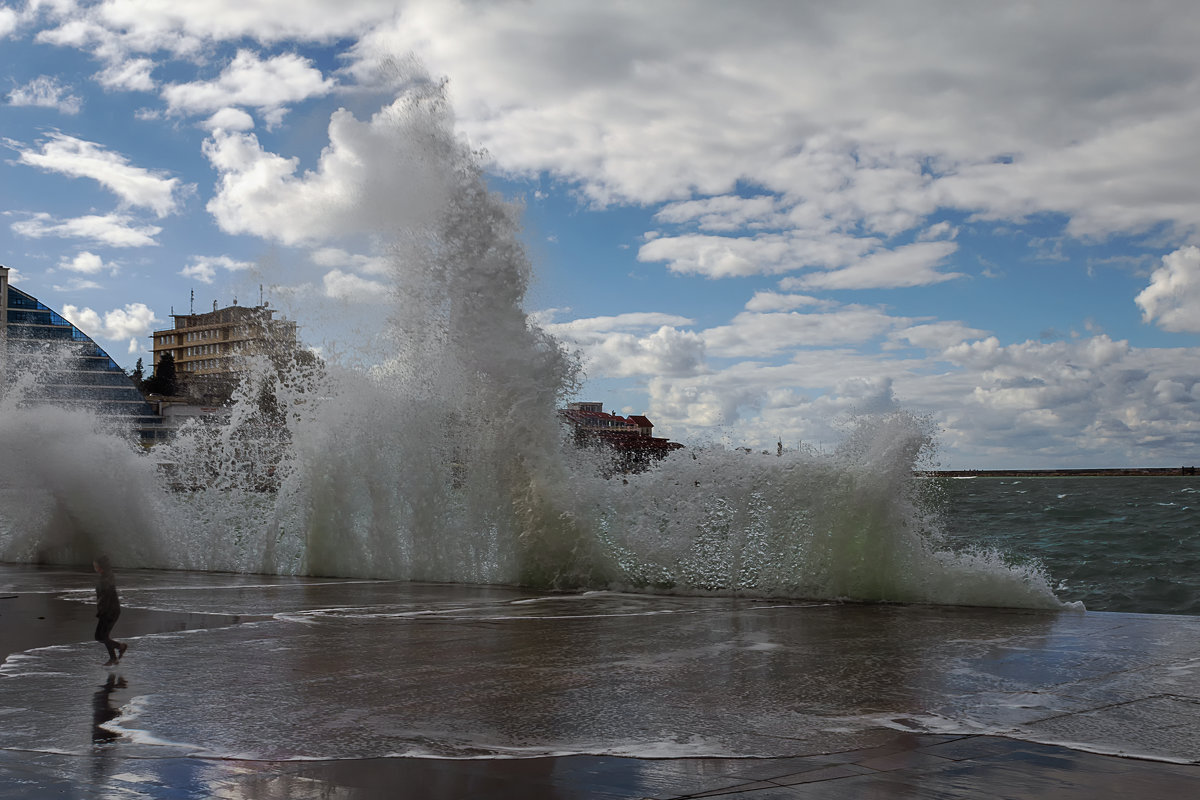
(108, 606)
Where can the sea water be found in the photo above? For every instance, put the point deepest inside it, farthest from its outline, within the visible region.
(1127, 544)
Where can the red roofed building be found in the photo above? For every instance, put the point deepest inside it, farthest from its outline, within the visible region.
(630, 438)
(645, 426)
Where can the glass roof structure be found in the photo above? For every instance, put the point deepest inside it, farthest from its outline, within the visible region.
(56, 363)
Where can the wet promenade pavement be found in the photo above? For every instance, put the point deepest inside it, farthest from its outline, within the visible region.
(255, 689)
(909, 766)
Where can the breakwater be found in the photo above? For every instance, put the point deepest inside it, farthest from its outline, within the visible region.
(1116, 472)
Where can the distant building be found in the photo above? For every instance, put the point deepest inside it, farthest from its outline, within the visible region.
(645, 427)
(208, 348)
(630, 439)
(591, 417)
(64, 367)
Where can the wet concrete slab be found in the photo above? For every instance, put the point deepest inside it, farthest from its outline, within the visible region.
(349, 689)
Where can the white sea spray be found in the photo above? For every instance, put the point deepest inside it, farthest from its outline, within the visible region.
(445, 459)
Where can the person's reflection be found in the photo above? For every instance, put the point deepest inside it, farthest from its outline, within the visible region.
(103, 710)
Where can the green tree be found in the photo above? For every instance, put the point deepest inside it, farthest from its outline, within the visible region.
(164, 381)
(138, 375)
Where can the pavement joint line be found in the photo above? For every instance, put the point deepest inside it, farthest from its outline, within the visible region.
(1113, 705)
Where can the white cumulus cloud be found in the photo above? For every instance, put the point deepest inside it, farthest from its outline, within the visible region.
(204, 268)
(837, 122)
(132, 75)
(1172, 300)
(45, 91)
(632, 344)
(134, 320)
(725, 213)
(267, 85)
(341, 285)
(359, 262)
(763, 254)
(230, 119)
(908, 265)
(77, 285)
(118, 26)
(8, 21)
(84, 262)
(1030, 404)
(372, 177)
(136, 186)
(774, 301)
(752, 334)
(633, 320)
(935, 336)
(114, 230)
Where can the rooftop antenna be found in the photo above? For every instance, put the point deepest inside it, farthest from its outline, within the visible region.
(192, 307)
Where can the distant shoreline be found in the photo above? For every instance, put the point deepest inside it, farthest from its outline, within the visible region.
(1122, 472)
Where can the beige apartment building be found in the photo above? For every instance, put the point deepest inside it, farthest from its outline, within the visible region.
(210, 345)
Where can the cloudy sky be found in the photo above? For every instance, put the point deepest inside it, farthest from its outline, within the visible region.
(754, 219)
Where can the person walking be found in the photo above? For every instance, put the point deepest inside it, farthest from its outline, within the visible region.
(108, 608)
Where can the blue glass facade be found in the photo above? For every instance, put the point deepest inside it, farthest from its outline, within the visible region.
(67, 368)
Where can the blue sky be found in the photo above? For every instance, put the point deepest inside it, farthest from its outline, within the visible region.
(753, 220)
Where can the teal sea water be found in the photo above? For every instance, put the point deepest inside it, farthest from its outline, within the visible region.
(1116, 544)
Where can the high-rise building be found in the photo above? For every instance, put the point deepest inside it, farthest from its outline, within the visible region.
(58, 364)
(208, 348)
